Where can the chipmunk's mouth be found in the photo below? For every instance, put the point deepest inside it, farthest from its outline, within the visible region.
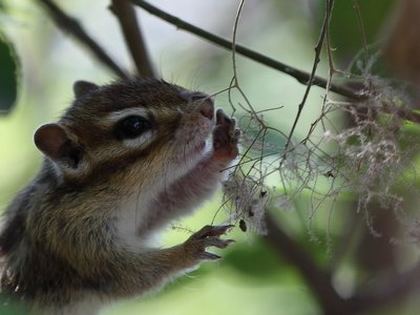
(201, 147)
(194, 140)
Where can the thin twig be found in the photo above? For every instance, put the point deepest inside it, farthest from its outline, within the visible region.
(361, 25)
(235, 80)
(126, 15)
(234, 44)
(318, 48)
(301, 76)
(71, 26)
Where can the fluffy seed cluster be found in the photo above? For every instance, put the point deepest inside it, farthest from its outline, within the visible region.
(352, 147)
(247, 201)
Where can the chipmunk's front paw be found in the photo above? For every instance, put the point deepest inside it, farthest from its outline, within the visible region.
(225, 137)
(195, 247)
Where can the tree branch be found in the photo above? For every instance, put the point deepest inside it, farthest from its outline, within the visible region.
(134, 40)
(317, 279)
(71, 26)
(395, 289)
(301, 76)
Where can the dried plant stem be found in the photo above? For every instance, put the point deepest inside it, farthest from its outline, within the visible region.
(360, 23)
(318, 48)
(318, 280)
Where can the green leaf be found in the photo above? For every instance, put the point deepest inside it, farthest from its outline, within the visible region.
(9, 68)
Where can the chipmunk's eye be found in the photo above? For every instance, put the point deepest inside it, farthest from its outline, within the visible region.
(131, 127)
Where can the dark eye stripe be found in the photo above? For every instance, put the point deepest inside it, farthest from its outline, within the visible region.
(131, 127)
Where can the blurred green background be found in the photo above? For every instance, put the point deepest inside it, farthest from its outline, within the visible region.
(251, 279)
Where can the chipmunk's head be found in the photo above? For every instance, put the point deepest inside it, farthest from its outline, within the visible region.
(145, 126)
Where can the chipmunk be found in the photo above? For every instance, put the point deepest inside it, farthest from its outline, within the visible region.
(122, 162)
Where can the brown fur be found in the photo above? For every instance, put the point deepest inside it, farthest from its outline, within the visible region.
(60, 241)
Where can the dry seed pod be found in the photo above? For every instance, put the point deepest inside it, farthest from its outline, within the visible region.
(242, 225)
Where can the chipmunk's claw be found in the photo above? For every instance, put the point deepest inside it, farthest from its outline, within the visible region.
(209, 256)
(208, 236)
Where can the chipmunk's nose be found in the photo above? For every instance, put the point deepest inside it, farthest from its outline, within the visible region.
(204, 102)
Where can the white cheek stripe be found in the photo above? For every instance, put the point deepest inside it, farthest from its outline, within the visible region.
(115, 116)
(141, 141)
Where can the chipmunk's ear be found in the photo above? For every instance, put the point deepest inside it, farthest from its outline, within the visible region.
(54, 142)
(81, 88)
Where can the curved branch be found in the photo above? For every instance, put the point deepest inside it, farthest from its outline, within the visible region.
(71, 26)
